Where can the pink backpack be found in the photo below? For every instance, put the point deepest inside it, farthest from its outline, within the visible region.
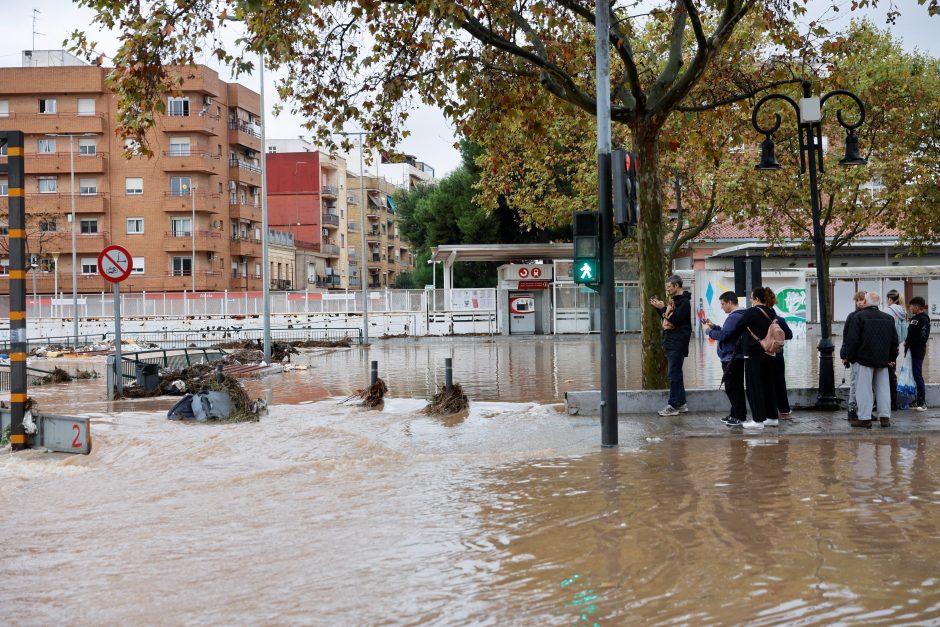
(773, 341)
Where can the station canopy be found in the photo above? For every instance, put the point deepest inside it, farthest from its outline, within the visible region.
(506, 253)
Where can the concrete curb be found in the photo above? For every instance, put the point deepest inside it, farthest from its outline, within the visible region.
(587, 402)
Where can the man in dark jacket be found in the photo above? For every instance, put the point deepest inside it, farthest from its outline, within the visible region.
(872, 343)
(677, 331)
(918, 332)
(853, 367)
(732, 358)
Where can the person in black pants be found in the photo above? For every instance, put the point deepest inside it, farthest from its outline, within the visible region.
(758, 365)
(732, 359)
(779, 364)
(918, 332)
(677, 331)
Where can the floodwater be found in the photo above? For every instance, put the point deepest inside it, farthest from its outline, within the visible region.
(323, 514)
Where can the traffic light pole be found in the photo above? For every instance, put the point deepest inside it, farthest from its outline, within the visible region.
(608, 408)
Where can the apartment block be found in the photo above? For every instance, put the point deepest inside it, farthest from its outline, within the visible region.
(387, 254)
(191, 211)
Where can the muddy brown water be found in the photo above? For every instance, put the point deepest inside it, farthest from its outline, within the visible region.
(325, 514)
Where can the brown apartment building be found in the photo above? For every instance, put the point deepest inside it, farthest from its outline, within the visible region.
(192, 211)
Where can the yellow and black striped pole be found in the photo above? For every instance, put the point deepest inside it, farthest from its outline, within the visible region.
(17, 238)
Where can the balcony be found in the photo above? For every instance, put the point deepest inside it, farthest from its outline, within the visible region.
(182, 241)
(61, 241)
(281, 284)
(246, 247)
(353, 282)
(182, 202)
(62, 203)
(58, 163)
(41, 123)
(373, 236)
(206, 124)
(206, 281)
(330, 220)
(244, 172)
(191, 161)
(352, 253)
(244, 211)
(330, 249)
(331, 280)
(329, 191)
(245, 134)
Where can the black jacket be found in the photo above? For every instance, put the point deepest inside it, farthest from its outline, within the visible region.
(918, 332)
(756, 320)
(677, 338)
(871, 339)
(850, 321)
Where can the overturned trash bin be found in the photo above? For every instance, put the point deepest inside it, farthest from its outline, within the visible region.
(148, 376)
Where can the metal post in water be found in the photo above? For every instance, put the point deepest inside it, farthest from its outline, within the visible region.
(448, 374)
(15, 170)
(375, 373)
(219, 375)
(118, 374)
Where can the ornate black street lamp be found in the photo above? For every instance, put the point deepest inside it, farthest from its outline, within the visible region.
(809, 121)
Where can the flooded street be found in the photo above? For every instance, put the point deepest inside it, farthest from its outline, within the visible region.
(325, 514)
(329, 515)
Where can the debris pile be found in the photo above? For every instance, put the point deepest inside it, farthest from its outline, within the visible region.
(444, 404)
(57, 376)
(372, 396)
(245, 349)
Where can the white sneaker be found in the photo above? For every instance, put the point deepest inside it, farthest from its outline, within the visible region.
(668, 410)
(683, 408)
(920, 407)
(750, 424)
(771, 422)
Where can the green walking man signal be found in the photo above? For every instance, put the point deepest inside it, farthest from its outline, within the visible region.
(587, 251)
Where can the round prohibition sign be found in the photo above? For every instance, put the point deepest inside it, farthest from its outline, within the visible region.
(114, 264)
(523, 272)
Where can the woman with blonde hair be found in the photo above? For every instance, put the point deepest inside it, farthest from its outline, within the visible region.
(896, 310)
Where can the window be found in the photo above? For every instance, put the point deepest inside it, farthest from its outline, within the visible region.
(45, 146)
(272, 149)
(138, 266)
(87, 187)
(86, 106)
(182, 266)
(47, 265)
(4, 266)
(4, 187)
(257, 269)
(47, 226)
(4, 108)
(3, 150)
(135, 226)
(48, 184)
(89, 265)
(181, 227)
(47, 105)
(133, 186)
(88, 226)
(180, 147)
(178, 107)
(87, 146)
(180, 185)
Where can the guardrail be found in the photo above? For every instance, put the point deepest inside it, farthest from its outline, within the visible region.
(34, 377)
(83, 340)
(207, 339)
(170, 359)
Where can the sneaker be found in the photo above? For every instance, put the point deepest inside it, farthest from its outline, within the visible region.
(853, 415)
(786, 414)
(750, 424)
(920, 407)
(669, 410)
(683, 408)
(727, 418)
(733, 422)
(771, 422)
(885, 422)
(862, 424)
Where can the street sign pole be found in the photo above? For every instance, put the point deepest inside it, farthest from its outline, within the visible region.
(115, 264)
(118, 375)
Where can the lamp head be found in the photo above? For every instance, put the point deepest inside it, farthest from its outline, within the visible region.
(852, 154)
(767, 159)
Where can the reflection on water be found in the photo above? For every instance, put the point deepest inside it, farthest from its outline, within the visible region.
(328, 515)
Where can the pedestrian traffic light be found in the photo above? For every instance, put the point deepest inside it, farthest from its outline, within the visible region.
(587, 251)
(626, 199)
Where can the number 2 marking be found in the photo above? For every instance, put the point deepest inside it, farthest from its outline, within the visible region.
(78, 433)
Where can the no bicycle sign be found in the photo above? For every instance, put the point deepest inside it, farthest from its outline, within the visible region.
(114, 264)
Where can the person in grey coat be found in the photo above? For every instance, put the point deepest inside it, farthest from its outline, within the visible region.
(872, 343)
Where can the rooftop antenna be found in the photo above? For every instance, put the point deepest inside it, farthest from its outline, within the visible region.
(36, 13)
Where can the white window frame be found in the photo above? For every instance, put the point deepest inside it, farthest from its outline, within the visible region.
(50, 106)
(182, 269)
(88, 265)
(4, 108)
(46, 146)
(50, 189)
(87, 187)
(83, 110)
(84, 144)
(180, 147)
(4, 187)
(91, 222)
(178, 107)
(138, 265)
(45, 224)
(133, 186)
(135, 231)
(177, 227)
(188, 185)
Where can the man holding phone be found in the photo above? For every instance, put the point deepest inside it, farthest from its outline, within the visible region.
(677, 331)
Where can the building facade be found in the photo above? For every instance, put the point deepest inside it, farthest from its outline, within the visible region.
(190, 215)
(387, 254)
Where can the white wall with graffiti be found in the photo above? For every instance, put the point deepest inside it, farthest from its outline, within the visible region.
(789, 286)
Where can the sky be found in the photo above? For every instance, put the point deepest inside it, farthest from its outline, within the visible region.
(432, 137)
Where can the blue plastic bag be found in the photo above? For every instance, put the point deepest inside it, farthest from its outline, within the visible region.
(907, 389)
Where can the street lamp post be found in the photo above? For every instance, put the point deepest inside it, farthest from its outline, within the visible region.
(809, 122)
(72, 137)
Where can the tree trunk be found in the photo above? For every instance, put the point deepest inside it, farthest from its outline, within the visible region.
(652, 259)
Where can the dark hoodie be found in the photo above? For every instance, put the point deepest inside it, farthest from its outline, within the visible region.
(677, 338)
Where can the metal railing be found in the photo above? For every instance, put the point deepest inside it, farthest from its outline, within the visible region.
(34, 376)
(173, 359)
(33, 343)
(214, 338)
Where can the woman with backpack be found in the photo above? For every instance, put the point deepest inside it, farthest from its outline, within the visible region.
(779, 366)
(761, 339)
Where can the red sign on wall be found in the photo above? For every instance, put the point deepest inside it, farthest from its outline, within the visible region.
(533, 285)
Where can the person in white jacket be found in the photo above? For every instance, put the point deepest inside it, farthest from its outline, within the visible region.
(896, 309)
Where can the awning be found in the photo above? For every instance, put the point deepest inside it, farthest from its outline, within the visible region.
(502, 252)
(391, 202)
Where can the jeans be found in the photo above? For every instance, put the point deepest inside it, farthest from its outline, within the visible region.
(873, 388)
(853, 383)
(917, 369)
(674, 361)
(734, 387)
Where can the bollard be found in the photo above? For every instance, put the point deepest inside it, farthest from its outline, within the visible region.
(219, 377)
(448, 374)
(375, 373)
